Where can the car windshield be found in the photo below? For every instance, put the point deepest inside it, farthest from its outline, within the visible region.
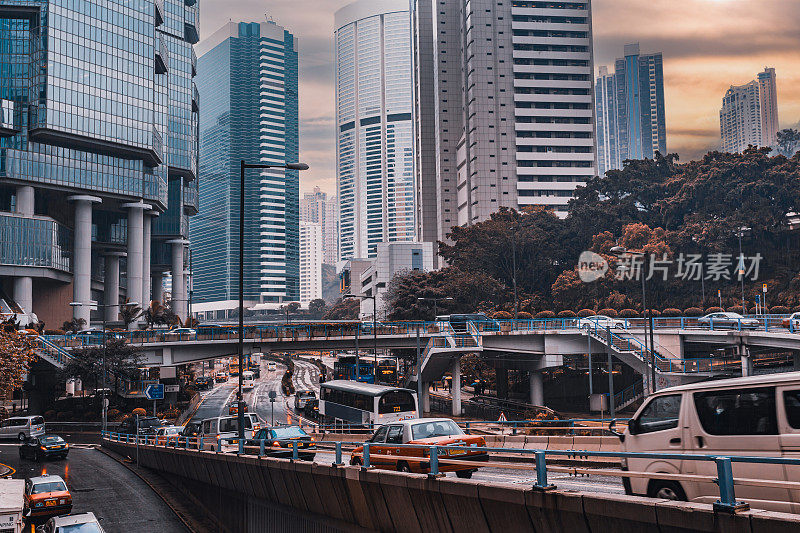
(49, 486)
(291, 432)
(51, 439)
(231, 425)
(37, 420)
(149, 423)
(89, 527)
(307, 394)
(440, 428)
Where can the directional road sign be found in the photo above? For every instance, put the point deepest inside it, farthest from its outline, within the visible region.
(154, 392)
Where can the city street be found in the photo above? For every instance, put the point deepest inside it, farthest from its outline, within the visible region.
(121, 500)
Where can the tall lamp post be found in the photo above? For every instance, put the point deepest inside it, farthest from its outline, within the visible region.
(104, 407)
(621, 251)
(739, 234)
(435, 300)
(374, 329)
(244, 166)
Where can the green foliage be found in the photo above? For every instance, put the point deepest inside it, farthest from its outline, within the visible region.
(608, 312)
(586, 312)
(344, 309)
(316, 308)
(567, 314)
(628, 313)
(693, 311)
(671, 312)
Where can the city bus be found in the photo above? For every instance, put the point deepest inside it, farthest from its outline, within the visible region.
(351, 402)
(387, 371)
(345, 368)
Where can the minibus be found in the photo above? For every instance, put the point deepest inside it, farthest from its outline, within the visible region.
(248, 380)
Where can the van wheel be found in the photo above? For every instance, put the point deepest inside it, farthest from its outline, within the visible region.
(464, 474)
(21, 437)
(402, 466)
(667, 490)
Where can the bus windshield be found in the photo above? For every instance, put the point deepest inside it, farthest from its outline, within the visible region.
(439, 428)
(396, 401)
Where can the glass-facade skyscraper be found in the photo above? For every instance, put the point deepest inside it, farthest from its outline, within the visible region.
(631, 115)
(247, 73)
(374, 137)
(98, 152)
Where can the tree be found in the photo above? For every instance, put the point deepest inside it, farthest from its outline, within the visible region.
(316, 307)
(122, 363)
(344, 309)
(788, 142)
(16, 355)
(74, 326)
(129, 313)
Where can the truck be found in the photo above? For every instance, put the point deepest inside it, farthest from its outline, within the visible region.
(12, 505)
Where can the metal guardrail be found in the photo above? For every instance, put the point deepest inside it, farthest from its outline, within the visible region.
(433, 456)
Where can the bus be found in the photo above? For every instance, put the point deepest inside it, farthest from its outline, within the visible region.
(345, 368)
(387, 371)
(247, 364)
(233, 368)
(351, 402)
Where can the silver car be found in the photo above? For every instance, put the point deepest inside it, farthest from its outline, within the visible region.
(728, 320)
(83, 523)
(602, 322)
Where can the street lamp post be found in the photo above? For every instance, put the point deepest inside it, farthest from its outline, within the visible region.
(435, 300)
(374, 330)
(244, 166)
(621, 251)
(739, 234)
(103, 406)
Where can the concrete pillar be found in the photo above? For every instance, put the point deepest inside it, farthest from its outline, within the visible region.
(537, 388)
(111, 285)
(23, 293)
(135, 249)
(82, 260)
(426, 397)
(158, 287)
(180, 303)
(502, 383)
(455, 391)
(25, 200)
(146, 248)
(747, 361)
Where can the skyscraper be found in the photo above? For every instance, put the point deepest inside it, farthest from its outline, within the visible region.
(749, 114)
(630, 110)
(248, 72)
(98, 152)
(310, 261)
(512, 99)
(318, 207)
(374, 153)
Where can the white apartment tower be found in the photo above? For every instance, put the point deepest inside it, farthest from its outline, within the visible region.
(310, 261)
(749, 114)
(374, 152)
(511, 88)
(318, 207)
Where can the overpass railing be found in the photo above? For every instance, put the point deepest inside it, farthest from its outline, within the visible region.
(431, 459)
(474, 329)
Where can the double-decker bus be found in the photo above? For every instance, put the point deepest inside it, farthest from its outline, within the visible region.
(351, 402)
(353, 368)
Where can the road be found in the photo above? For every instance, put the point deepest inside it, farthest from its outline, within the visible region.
(120, 500)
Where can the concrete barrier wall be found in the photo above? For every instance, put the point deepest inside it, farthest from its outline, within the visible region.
(262, 494)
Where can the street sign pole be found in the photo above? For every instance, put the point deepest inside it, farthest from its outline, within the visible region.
(272, 396)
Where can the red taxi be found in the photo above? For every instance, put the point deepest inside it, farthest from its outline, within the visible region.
(423, 431)
(47, 495)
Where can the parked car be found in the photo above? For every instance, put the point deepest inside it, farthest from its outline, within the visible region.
(278, 442)
(728, 320)
(301, 397)
(74, 523)
(148, 425)
(47, 495)
(203, 383)
(602, 322)
(44, 447)
(427, 432)
(792, 322)
(22, 427)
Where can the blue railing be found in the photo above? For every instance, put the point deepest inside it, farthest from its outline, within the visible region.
(432, 457)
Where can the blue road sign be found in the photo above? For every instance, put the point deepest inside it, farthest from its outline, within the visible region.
(154, 392)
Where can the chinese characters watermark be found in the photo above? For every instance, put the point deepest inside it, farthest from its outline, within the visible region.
(686, 267)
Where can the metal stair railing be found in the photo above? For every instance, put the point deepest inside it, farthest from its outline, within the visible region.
(627, 396)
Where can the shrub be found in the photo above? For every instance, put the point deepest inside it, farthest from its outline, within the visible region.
(736, 309)
(671, 312)
(693, 311)
(545, 314)
(502, 315)
(608, 312)
(112, 413)
(585, 312)
(567, 314)
(524, 315)
(779, 310)
(628, 313)
(714, 310)
(139, 411)
(54, 332)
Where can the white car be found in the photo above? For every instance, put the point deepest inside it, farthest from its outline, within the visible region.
(183, 331)
(22, 427)
(271, 366)
(602, 322)
(168, 434)
(83, 523)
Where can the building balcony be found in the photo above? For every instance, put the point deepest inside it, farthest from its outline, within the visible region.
(191, 198)
(194, 63)
(7, 125)
(34, 242)
(162, 54)
(190, 33)
(190, 2)
(159, 12)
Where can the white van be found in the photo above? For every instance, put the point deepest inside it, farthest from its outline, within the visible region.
(754, 416)
(248, 380)
(22, 427)
(224, 427)
(271, 366)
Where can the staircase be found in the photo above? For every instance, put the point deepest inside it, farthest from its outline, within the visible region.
(443, 347)
(55, 355)
(629, 396)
